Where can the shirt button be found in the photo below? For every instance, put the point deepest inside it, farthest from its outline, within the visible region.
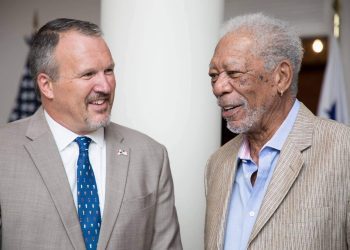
(251, 213)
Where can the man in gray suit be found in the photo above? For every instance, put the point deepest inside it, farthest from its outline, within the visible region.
(70, 179)
(284, 181)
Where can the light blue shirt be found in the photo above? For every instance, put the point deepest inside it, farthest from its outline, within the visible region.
(246, 199)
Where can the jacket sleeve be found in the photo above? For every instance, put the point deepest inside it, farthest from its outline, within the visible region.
(0, 228)
(348, 225)
(166, 227)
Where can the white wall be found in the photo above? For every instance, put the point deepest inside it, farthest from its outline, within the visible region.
(310, 17)
(15, 23)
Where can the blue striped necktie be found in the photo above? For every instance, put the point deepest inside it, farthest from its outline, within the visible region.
(88, 202)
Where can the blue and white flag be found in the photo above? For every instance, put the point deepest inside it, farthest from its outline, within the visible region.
(333, 100)
(27, 101)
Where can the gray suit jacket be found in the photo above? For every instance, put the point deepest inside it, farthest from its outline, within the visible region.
(37, 207)
(306, 205)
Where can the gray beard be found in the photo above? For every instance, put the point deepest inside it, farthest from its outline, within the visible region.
(253, 116)
(93, 126)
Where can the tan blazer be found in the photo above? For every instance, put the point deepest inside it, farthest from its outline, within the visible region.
(37, 207)
(306, 205)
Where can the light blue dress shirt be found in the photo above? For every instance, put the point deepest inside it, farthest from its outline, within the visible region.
(246, 199)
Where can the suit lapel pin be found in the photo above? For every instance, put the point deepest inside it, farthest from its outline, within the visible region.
(122, 152)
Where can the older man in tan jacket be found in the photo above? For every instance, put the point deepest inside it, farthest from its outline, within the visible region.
(284, 181)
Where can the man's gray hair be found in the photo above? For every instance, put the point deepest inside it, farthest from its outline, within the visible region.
(275, 41)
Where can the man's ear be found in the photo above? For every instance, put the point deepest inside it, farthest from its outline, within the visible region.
(45, 85)
(283, 76)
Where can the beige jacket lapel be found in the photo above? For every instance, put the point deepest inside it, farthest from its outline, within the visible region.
(287, 169)
(220, 191)
(44, 153)
(118, 156)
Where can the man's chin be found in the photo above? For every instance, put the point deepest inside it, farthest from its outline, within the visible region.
(96, 124)
(238, 128)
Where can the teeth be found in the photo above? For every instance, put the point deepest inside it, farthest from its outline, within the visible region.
(228, 108)
(98, 102)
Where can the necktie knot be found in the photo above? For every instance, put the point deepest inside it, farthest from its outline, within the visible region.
(83, 142)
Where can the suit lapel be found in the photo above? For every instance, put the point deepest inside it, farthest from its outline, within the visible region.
(220, 192)
(118, 156)
(287, 170)
(44, 153)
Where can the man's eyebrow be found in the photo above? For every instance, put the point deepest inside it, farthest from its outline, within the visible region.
(111, 65)
(229, 63)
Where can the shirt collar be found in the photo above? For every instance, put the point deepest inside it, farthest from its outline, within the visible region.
(64, 136)
(283, 131)
(280, 136)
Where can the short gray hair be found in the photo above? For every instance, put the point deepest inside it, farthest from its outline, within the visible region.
(41, 58)
(275, 41)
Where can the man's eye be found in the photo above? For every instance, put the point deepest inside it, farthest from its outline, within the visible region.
(213, 77)
(234, 74)
(109, 71)
(88, 75)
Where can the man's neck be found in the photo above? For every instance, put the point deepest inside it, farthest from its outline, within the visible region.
(257, 138)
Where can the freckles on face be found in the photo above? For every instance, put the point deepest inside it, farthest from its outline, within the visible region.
(244, 106)
(244, 82)
(241, 82)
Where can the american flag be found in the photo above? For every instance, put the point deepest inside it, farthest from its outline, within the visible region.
(333, 102)
(27, 101)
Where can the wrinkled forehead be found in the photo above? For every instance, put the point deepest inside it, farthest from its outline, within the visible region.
(234, 48)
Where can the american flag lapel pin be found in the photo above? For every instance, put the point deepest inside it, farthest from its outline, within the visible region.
(122, 152)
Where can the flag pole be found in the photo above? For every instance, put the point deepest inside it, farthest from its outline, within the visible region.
(336, 19)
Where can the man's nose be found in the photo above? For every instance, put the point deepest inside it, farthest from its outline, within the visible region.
(222, 85)
(103, 83)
